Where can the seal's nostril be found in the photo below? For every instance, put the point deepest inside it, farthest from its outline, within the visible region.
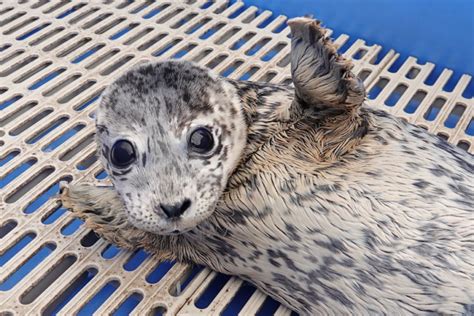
(175, 210)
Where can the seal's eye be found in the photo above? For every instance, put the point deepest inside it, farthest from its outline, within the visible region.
(201, 141)
(122, 153)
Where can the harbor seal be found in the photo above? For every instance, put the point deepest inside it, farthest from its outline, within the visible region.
(325, 204)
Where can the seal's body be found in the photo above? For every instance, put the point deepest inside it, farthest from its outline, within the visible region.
(326, 205)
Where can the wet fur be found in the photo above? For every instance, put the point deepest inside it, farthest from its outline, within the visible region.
(333, 207)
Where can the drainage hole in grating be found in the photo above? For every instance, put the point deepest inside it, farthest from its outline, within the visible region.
(119, 63)
(470, 128)
(26, 124)
(377, 88)
(16, 248)
(184, 51)
(15, 173)
(202, 54)
(8, 157)
(228, 34)
(69, 11)
(364, 74)
(101, 175)
(184, 20)
(51, 216)
(83, 15)
(195, 27)
(285, 61)
(155, 11)
(45, 79)
(231, 68)
(257, 46)
(12, 18)
(109, 26)
(159, 272)
(11, 56)
(396, 95)
(180, 285)
(60, 42)
(32, 31)
(412, 73)
(216, 61)
(463, 145)
(46, 130)
(62, 138)
(159, 311)
(443, 136)
(139, 8)
(26, 186)
(103, 58)
(415, 102)
(211, 291)
(55, 7)
(360, 53)
(212, 30)
(89, 239)
(25, 268)
(87, 162)
(129, 304)
(249, 73)
(138, 36)
(434, 109)
(274, 51)
(46, 194)
(240, 298)
(110, 251)
(89, 139)
(99, 298)
(167, 47)
(81, 106)
(152, 41)
(61, 85)
(10, 101)
(123, 31)
(72, 290)
(455, 116)
(87, 53)
(268, 307)
(4, 47)
(241, 41)
(7, 227)
(20, 25)
(71, 227)
(135, 260)
(77, 91)
(30, 73)
(169, 15)
(52, 275)
(46, 36)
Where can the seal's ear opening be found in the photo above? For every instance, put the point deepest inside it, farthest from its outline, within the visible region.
(321, 76)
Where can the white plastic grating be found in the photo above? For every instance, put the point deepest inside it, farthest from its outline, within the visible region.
(55, 59)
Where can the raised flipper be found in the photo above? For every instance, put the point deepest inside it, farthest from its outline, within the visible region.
(103, 212)
(321, 76)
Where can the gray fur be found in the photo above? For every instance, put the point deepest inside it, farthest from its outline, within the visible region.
(327, 205)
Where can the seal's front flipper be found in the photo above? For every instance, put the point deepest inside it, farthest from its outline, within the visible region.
(321, 76)
(103, 211)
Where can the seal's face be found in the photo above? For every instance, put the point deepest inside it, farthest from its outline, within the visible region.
(169, 135)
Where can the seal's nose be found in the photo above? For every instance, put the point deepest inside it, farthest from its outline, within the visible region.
(175, 210)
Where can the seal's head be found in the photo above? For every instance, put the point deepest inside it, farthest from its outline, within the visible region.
(170, 134)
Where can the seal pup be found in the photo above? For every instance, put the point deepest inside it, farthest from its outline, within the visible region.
(327, 205)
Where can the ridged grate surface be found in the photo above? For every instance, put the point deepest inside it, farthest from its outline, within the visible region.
(55, 59)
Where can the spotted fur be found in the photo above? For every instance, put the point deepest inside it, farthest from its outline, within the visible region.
(325, 204)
